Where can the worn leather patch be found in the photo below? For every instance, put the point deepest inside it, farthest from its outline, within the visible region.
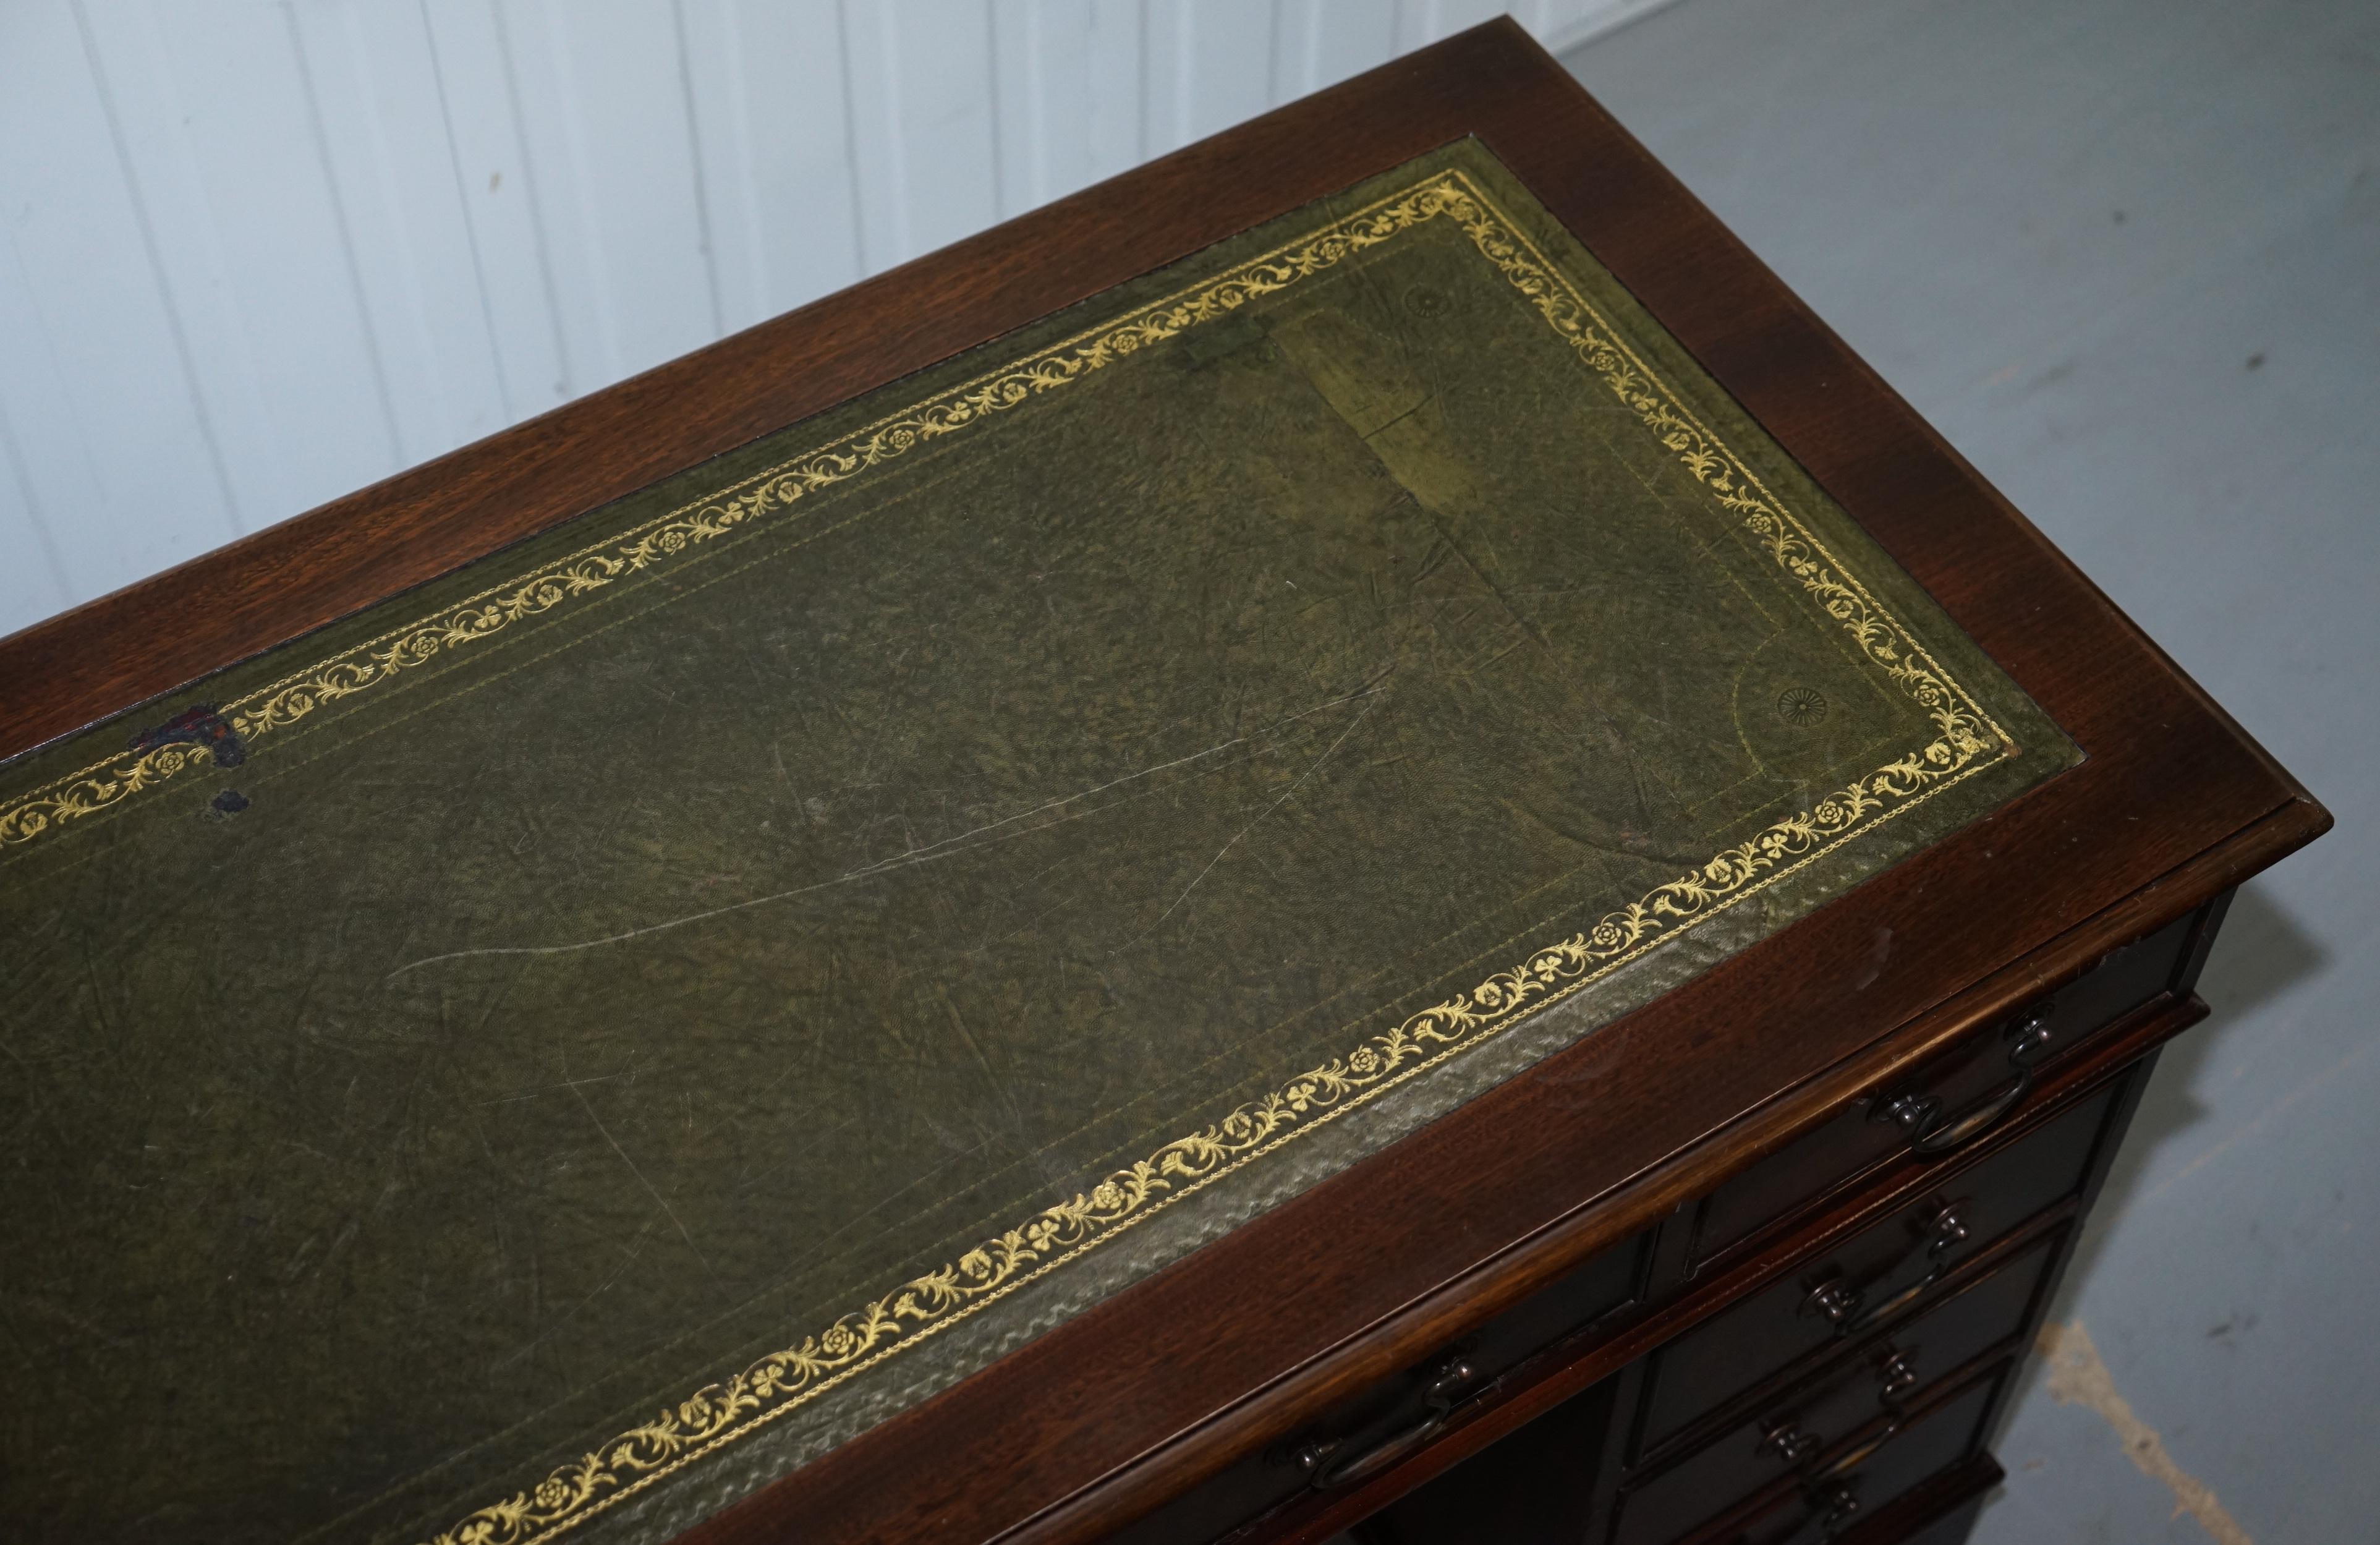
(611, 1017)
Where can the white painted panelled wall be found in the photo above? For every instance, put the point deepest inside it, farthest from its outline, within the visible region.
(259, 254)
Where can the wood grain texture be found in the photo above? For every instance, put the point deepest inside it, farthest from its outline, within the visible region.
(1235, 1345)
(1567, 1372)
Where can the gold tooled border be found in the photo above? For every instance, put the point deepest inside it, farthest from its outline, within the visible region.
(113, 779)
(666, 537)
(720, 1413)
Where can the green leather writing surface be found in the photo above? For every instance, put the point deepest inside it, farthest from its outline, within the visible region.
(553, 1051)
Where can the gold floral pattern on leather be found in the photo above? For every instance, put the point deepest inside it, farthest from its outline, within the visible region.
(109, 782)
(769, 492)
(719, 1413)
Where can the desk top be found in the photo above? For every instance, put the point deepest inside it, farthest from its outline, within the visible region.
(571, 1043)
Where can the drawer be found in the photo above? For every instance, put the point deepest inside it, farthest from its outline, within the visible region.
(1871, 1278)
(1873, 1380)
(1940, 1512)
(1534, 1486)
(1964, 1082)
(1855, 1477)
(1394, 1416)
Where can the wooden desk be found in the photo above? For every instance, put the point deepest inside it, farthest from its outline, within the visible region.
(1725, 1231)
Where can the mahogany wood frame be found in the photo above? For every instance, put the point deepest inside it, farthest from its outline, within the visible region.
(1567, 1368)
(1233, 1346)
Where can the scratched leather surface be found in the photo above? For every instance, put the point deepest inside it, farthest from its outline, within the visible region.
(570, 1017)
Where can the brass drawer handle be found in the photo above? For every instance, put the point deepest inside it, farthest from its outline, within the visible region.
(1783, 1435)
(1834, 1505)
(1976, 1120)
(1835, 1301)
(1325, 1473)
(1896, 1374)
(1931, 1132)
(1948, 1231)
(1845, 1463)
(1846, 1308)
(1793, 1447)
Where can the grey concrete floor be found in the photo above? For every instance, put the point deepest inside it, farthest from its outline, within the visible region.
(2126, 255)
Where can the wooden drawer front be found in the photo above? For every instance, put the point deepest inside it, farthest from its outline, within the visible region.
(1369, 1423)
(1865, 1471)
(1932, 1442)
(1940, 1512)
(1867, 1382)
(1859, 1282)
(1822, 1160)
(1534, 1486)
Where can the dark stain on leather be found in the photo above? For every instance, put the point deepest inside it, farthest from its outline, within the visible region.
(201, 726)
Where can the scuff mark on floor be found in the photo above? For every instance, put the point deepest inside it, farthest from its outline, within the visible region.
(2079, 1377)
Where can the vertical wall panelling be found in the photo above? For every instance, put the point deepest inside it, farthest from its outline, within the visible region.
(118, 468)
(260, 252)
(221, 162)
(385, 293)
(34, 579)
(613, 161)
(1212, 65)
(1323, 41)
(376, 99)
(1069, 97)
(470, 62)
(926, 151)
(1111, 137)
(772, 125)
